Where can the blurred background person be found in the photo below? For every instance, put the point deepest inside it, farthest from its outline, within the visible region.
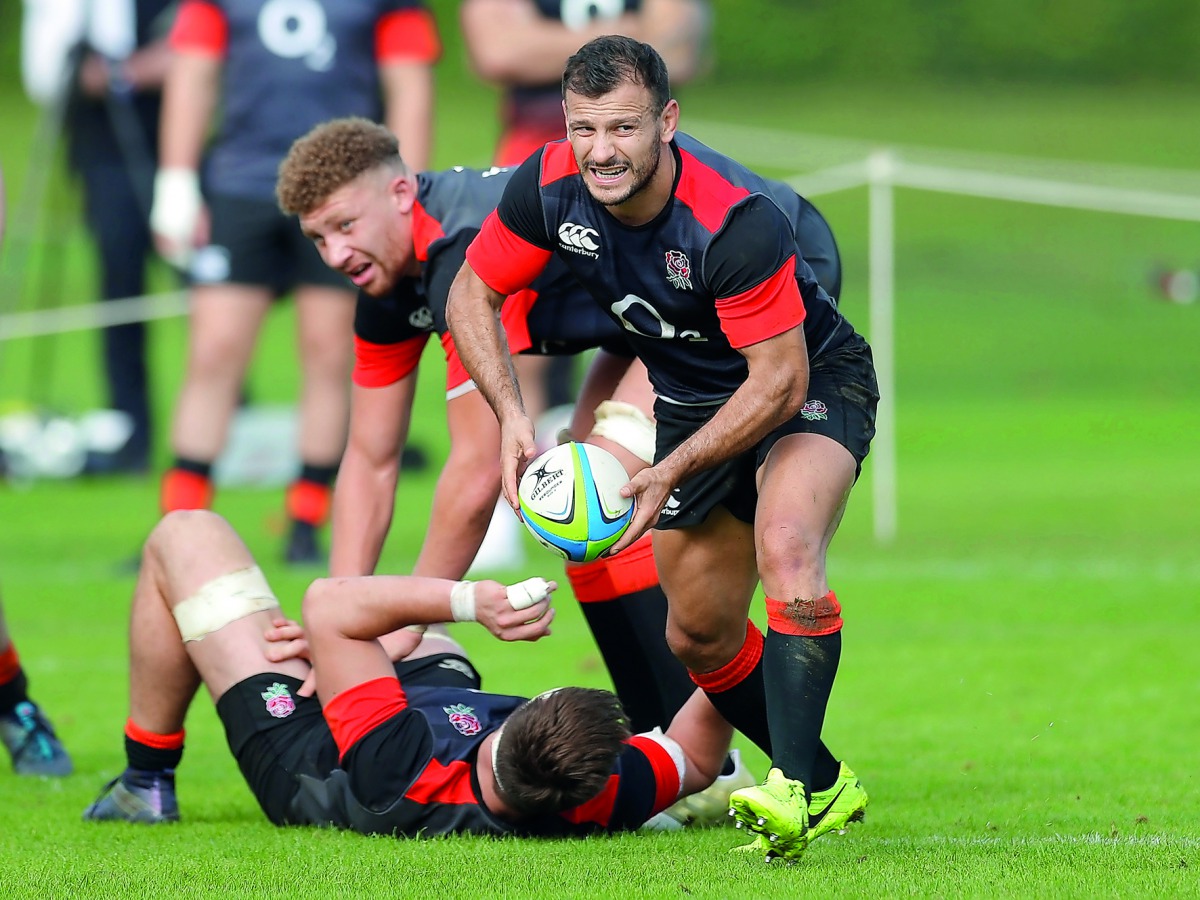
(276, 68)
(24, 731)
(521, 47)
(97, 67)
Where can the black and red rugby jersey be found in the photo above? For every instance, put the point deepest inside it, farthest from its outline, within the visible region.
(413, 774)
(553, 315)
(719, 268)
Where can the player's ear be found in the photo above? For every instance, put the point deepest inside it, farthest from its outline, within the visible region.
(668, 121)
(403, 192)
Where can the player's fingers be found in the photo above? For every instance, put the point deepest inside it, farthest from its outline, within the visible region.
(309, 687)
(530, 631)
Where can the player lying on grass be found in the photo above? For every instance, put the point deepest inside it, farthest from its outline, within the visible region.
(402, 238)
(409, 748)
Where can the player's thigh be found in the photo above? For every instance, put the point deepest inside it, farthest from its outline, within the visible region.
(237, 651)
(709, 574)
(803, 486)
(325, 327)
(224, 323)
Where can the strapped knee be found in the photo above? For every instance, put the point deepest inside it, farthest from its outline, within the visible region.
(625, 424)
(223, 600)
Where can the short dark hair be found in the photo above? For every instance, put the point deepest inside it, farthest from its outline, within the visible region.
(603, 63)
(329, 157)
(558, 749)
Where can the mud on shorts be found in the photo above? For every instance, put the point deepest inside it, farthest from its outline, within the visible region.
(277, 736)
(252, 242)
(842, 398)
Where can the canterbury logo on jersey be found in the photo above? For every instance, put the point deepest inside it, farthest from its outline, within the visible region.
(671, 508)
(579, 239)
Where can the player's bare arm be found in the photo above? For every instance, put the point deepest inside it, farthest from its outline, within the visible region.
(510, 43)
(408, 96)
(364, 499)
(704, 736)
(345, 617)
(473, 317)
(773, 392)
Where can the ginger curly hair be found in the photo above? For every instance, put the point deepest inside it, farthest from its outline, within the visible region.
(330, 156)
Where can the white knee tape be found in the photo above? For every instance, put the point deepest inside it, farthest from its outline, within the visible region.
(223, 600)
(625, 424)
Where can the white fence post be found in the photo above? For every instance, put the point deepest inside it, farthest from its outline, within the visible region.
(881, 168)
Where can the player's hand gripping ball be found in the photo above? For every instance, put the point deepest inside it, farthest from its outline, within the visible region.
(571, 502)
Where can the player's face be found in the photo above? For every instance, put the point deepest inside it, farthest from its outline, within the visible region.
(363, 230)
(618, 144)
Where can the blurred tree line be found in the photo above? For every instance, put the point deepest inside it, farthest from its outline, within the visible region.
(1074, 41)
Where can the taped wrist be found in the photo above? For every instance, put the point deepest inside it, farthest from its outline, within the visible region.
(462, 602)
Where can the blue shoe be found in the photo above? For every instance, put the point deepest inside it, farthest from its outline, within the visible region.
(134, 796)
(32, 743)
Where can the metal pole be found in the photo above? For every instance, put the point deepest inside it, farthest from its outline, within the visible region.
(881, 168)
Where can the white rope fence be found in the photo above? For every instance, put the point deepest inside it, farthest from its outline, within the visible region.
(1154, 193)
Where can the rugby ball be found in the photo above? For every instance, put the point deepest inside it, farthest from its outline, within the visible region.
(571, 500)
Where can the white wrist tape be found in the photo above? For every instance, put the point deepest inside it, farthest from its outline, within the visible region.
(625, 424)
(176, 209)
(462, 602)
(528, 592)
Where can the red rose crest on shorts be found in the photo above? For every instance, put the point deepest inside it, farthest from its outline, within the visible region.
(814, 410)
(279, 701)
(463, 718)
(679, 270)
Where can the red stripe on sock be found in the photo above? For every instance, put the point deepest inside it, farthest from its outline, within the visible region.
(157, 741)
(185, 490)
(10, 664)
(737, 669)
(308, 501)
(810, 618)
(611, 577)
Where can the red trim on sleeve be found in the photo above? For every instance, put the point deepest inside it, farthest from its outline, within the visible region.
(764, 311)
(379, 365)
(354, 712)
(520, 142)
(708, 194)
(505, 262)
(426, 229)
(456, 372)
(667, 782)
(514, 316)
(407, 35)
(599, 809)
(200, 27)
(443, 784)
(558, 161)
(611, 577)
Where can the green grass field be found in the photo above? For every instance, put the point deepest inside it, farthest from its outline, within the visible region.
(1019, 679)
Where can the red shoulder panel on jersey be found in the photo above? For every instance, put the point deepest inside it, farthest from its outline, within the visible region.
(407, 35)
(426, 229)
(505, 262)
(354, 712)
(558, 161)
(666, 775)
(443, 784)
(599, 809)
(706, 193)
(764, 311)
(200, 27)
(378, 365)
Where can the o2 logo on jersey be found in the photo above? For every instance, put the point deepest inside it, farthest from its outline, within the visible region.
(297, 29)
(579, 14)
(638, 316)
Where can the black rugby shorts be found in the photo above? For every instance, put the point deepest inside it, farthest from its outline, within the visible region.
(252, 242)
(277, 736)
(843, 395)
